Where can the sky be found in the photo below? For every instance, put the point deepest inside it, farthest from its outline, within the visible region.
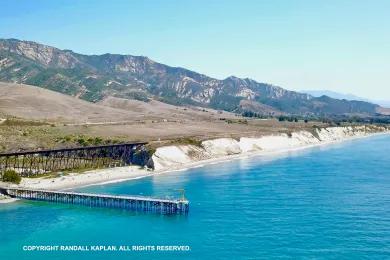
(337, 45)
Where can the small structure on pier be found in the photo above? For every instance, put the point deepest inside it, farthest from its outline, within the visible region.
(134, 203)
(37, 162)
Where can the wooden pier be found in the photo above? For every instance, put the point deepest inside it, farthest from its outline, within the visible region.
(134, 203)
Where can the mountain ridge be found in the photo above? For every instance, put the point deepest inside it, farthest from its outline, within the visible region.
(349, 96)
(94, 77)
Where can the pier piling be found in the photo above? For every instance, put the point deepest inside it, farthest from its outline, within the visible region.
(133, 203)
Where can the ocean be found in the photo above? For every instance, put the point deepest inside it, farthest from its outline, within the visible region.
(328, 202)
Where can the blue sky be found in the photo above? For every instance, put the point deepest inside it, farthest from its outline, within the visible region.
(340, 45)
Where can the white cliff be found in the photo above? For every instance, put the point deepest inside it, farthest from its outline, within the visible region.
(169, 157)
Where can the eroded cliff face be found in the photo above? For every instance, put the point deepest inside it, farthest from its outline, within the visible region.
(177, 155)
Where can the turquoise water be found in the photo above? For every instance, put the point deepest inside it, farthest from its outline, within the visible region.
(325, 202)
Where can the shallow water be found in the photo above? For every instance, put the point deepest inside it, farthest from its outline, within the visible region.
(324, 202)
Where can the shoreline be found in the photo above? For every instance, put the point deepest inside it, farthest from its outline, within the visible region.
(127, 173)
(203, 163)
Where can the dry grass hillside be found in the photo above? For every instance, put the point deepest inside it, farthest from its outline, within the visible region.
(39, 118)
(36, 103)
(157, 109)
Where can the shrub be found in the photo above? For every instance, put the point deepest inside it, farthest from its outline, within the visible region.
(188, 140)
(82, 141)
(11, 176)
(98, 140)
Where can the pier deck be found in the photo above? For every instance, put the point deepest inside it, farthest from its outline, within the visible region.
(134, 203)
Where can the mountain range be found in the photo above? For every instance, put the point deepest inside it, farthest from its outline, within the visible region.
(337, 95)
(96, 77)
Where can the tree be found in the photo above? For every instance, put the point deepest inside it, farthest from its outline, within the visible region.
(11, 176)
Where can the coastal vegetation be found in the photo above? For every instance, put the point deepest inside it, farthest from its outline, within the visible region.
(84, 140)
(23, 122)
(20, 135)
(338, 120)
(196, 141)
(11, 176)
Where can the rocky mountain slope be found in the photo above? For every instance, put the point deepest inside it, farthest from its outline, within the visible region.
(94, 77)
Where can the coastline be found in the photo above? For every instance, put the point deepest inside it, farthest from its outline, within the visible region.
(120, 174)
(204, 163)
